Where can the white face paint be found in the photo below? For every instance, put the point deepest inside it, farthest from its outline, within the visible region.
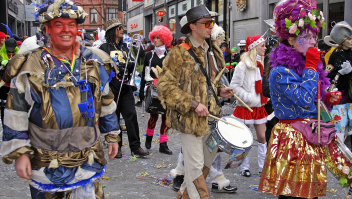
(347, 44)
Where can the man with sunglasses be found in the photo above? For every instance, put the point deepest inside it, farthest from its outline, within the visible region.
(125, 105)
(182, 87)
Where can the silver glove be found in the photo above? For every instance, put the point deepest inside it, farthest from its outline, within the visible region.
(345, 68)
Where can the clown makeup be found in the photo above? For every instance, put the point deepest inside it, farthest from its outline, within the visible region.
(63, 32)
(304, 41)
(347, 44)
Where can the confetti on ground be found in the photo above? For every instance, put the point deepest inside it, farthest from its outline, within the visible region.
(105, 177)
(104, 186)
(332, 190)
(254, 189)
(253, 186)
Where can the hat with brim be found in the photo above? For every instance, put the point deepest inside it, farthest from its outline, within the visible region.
(193, 15)
(242, 43)
(112, 23)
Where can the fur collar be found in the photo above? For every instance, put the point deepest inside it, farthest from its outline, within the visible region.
(290, 58)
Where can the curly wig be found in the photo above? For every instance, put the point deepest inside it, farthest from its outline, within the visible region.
(2, 35)
(293, 10)
(163, 33)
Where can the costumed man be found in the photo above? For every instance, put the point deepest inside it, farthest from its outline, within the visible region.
(340, 75)
(295, 163)
(182, 87)
(58, 94)
(219, 182)
(7, 51)
(125, 104)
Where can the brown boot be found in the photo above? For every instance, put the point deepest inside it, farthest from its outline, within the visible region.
(201, 187)
(205, 171)
(184, 195)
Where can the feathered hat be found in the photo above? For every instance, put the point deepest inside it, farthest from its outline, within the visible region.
(163, 33)
(293, 16)
(60, 8)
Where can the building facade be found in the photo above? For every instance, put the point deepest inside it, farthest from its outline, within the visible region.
(95, 10)
(249, 22)
(135, 22)
(13, 13)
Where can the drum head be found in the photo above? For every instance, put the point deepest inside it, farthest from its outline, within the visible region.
(239, 137)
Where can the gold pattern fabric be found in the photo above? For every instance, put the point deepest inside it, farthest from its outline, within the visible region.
(111, 138)
(293, 166)
(8, 159)
(43, 158)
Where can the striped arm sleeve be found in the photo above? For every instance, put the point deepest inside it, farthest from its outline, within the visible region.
(108, 122)
(15, 130)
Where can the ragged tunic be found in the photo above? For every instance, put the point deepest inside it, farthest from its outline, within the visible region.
(43, 118)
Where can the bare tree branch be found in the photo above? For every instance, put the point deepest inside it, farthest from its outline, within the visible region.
(103, 17)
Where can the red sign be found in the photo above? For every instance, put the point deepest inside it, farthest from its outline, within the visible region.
(160, 13)
(133, 25)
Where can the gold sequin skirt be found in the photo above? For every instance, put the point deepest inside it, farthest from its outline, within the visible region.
(293, 166)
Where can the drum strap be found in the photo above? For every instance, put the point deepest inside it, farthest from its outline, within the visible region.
(191, 52)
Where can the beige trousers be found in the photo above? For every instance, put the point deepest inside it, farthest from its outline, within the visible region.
(196, 156)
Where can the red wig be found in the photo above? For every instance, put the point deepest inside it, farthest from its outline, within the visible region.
(163, 33)
(2, 35)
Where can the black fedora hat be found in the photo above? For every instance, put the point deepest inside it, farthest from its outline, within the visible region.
(193, 15)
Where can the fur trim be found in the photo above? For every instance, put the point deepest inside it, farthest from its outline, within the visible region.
(163, 33)
(222, 181)
(217, 32)
(176, 172)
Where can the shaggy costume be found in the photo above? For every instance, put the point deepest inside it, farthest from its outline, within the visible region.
(180, 84)
(51, 135)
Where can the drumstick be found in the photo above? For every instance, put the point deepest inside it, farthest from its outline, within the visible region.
(239, 99)
(318, 112)
(212, 116)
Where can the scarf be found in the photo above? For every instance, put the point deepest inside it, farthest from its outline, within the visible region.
(160, 51)
(258, 82)
(290, 58)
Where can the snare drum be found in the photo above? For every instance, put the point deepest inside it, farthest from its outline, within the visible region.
(235, 141)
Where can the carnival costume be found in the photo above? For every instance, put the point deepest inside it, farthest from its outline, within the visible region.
(294, 167)
(182, 87)
(341, 60)
(219, 182)
(49, 119)
(125, 103)
(154, 59)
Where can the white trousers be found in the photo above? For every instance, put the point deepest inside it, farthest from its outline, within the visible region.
(261, 158)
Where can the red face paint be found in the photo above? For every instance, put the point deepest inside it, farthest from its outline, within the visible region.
(63, 32)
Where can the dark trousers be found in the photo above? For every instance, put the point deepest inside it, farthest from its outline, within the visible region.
(126, 107)
(3, 97)
(290, 197)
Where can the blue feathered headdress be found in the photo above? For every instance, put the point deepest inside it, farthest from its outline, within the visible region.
(8, 30)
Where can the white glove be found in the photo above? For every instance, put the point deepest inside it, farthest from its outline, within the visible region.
(345, 68)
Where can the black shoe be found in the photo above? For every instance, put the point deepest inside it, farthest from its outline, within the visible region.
(140, 152)
(139, 104)
(164, 148)
(228, 189)
(246, 173)
(119, 153)
(148, 141)
(177, 182)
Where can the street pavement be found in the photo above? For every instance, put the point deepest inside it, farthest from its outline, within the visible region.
(134, 178)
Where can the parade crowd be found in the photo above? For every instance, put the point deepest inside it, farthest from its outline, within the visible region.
(65, 93)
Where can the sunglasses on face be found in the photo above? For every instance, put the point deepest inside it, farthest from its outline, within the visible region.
(207, 23)
(10, 51)
(119, 28)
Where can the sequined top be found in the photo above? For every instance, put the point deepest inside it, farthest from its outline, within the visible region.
(293, 96)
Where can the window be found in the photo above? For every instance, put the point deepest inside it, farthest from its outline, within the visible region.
(93, 16)
(111, 13)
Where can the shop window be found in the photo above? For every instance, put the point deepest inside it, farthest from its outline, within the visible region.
(336, 14)
(111, 13)
(93, 16)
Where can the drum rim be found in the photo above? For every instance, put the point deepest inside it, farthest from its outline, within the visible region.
(233, 146)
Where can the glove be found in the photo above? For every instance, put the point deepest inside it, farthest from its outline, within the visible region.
(329, 96)
(345, 68)
(312, 58)
(4, 62)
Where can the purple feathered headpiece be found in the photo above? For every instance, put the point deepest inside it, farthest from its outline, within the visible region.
(293, 16)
